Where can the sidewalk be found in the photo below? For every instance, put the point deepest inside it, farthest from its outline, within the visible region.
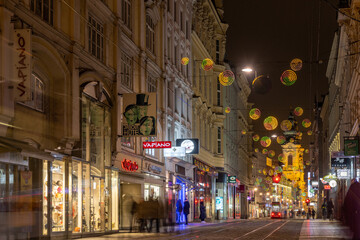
(324, 229)
(124, 234)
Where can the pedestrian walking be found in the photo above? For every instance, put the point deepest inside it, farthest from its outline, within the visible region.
(352, 209)
(133, 211)
(330, 209)
(202, 212)
(186, 210)
(313, 213)
(179, 209)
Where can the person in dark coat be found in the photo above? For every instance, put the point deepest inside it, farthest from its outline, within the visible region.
(179, 209)
(323, 208)
(202, 212)
(186, 210)
(330, 209)
(352, 209)
(313, 213)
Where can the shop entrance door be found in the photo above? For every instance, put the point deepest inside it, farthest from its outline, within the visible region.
(97, 204)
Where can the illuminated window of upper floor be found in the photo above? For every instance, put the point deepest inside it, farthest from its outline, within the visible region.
(96, 38)
(44, 9)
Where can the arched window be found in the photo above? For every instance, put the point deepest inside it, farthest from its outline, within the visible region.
(290, 160)
(150, 34)
(37, 89)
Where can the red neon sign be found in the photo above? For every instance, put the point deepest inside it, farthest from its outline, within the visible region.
(327, 187)
(159, 144)
(129, 166)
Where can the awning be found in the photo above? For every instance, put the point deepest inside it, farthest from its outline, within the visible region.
(184, 180)
(10, 148)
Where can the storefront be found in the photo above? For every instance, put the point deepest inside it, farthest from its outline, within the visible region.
(205, 177)
(154, 179)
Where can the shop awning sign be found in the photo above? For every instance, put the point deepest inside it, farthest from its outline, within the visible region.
(340, 162)
(343, 173)
(174, 152)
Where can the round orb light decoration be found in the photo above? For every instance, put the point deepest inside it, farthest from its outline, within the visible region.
(256, 150)
(207, 64)
(281, 139)
(185, 61)
(288, 77)
(292, 140)
(226, 78)
(285, 125)
(271, 172)
(298, 111)
(306, 123)
(264, 151)
(265, 141)
(306, 150)
(255, 113)
(227, 110)
(270, 123)
(296, 64)
(256, 137)
(281, 157)
(271, 153)
(309, 132)
(243, 132)
(278, 169)
(261, 84)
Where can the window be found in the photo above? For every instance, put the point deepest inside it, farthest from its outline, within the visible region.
(126, 71)
(36, 94)
(187, 33)
(150, 34)
(170, 98)
(217, 51)
(169, 6)
(218, 94)
(290, 160)
(175, 11)
(169, 132)
(96, 38)
(176, 55)
(182, 104)
(187, 109)
(169, 48)
(44, 9)
(151, 84)
(126, 13)
(219, 140)
(127, 142)
(150, 151)
(181, 21)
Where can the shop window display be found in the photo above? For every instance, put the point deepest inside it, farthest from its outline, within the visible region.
(58, 196)
(114, 200)
(76, 197)
(151, 191)
(45, 197)
(96, 204)
(107, 199)
(85, 213)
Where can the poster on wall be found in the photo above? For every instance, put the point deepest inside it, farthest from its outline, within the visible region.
(139, 115)
(219, 203)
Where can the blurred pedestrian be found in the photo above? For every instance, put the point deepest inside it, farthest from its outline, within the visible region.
(323, 209)
(303, 213)
(330, 209)
(313, 213)
(352, 209)
(154, 208)
(133, 211)
(202, 212)
(186, 210)
(179, 209)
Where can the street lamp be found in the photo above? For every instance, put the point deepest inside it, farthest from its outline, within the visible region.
(247, 69)
(255, 189)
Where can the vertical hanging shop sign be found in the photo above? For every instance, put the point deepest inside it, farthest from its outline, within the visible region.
(351, 146)
(22, 64)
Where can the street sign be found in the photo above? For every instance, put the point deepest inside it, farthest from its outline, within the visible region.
(231, 179)
(351, 146)
(174, 152)
(340, 162)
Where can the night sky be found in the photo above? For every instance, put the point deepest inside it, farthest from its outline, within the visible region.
(266, 35)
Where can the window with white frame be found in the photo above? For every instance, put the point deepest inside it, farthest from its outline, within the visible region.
(151, 84)
(37, 90)
(126, 71)
(96, 38)
(126, 13)
(149, 151)
(44, 9)
(218, 140)
(150, 34)
(169, 130)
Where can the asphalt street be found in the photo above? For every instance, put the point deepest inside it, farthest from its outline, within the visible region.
(254, 229)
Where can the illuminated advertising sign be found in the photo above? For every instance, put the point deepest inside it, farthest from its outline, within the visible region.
(231, 179)
(343, 173)
(163, 144)
(174, 152)
(190, 144)
(219, 203)
(351, 146)
(129, 166)
(327, 187)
